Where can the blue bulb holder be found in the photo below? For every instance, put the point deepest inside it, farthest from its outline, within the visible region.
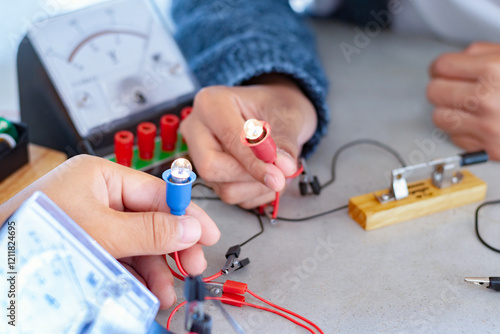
(178, 195)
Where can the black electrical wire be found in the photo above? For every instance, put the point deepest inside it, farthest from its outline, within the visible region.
(333, 173)
(259, 216)
(313, 216)
(477, 225)
(332, 179)
(250, 211)
(213, 198)
(202, 185)
(359, 142)
(258, 233)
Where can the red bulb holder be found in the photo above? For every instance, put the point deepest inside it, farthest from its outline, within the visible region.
(146, 134)
(124, 145)
(263, 148)
(168, 129)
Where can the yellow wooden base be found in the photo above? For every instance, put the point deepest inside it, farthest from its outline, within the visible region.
(423, 199)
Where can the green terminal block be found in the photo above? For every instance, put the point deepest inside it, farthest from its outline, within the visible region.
(160, 157)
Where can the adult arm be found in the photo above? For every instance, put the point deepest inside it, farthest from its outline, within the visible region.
(125, 212)
(267, 49)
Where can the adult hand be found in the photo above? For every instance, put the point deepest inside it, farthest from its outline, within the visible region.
(465, 88)
(212, 132)
(125, 212)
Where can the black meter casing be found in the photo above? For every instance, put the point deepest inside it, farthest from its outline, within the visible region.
(49, 121)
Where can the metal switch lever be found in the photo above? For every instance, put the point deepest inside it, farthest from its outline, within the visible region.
(445, 173)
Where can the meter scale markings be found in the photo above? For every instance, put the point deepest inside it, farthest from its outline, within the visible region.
(100, 33)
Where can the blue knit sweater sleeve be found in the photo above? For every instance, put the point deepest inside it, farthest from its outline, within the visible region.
(228, 42)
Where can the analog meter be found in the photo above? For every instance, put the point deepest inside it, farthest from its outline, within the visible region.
(87, 74)
(57, 279)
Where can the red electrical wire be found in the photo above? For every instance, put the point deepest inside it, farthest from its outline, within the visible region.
(211, 278)
(176, 275)
(173, 312)
(217, 275)
(184, 273)
(297, 173)
(258, 307)
(179, 265)
(277, 200)
(276, 205)
(246, 304)
(285, 310)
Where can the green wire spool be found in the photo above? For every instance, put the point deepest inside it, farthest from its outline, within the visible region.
(8, 128)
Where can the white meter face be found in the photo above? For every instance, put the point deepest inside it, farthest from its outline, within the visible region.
(112, 61)
(57, 279)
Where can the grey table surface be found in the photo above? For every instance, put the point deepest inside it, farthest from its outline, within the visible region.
(404, 278)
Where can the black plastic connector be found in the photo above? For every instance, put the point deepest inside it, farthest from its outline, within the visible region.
(202, 326)
(303, 188)
(307, 179)
(243, 263)
(194, 289)
(197, 321)
(315, 186)
(232, 264)
(233, 250)
(494, 283)
(473, 158)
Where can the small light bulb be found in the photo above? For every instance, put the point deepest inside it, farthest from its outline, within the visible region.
(253, 129)
(181, 170)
